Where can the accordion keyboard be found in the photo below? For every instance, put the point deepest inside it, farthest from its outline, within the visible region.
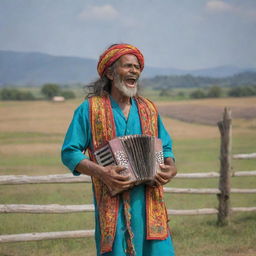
(104, 156)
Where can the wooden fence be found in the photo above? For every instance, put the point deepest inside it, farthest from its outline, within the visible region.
(223, 192)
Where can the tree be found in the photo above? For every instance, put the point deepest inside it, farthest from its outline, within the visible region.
(67, 94)
(242, 91)
(214, 92)
(197, 94)
(15, 94)
(164, 93)
(50, 90)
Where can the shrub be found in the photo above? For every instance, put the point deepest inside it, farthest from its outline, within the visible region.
(197, 94)
(214, 92)
(50, 90)
(15, 94)
(68, 94)
(242, 91)
(164, 93)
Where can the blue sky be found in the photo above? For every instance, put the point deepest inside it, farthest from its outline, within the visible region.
(185, 34)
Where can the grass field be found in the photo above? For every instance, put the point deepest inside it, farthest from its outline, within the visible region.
(31, 135)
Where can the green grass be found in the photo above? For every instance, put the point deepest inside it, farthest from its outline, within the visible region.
(37, 153)
(29, 137)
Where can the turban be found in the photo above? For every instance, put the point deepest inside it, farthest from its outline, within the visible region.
(114, 53)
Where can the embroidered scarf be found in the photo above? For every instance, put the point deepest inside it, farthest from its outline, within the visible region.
(103, 129)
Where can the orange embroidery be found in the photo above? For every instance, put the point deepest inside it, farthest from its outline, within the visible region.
(157, 218)
(102, 126)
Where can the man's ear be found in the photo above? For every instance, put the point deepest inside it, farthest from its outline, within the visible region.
(110, 74)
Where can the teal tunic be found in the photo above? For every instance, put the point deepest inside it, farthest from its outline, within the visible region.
(78, 138)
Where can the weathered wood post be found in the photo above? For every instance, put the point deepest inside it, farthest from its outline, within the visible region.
(225, 127)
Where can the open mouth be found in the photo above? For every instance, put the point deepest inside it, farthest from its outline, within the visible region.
(131, 82)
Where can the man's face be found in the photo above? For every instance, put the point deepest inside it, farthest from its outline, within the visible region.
(126, 75)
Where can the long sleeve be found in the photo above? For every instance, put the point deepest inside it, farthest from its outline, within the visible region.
(77, 138)
(166, 139)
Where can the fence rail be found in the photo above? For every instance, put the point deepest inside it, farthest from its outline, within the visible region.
(45, 236)
(89, 233)
(244, 156)
(56, 208)
(69, 178)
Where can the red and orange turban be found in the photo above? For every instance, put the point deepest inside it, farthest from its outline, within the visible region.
(114, 53)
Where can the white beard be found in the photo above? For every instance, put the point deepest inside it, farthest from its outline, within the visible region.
(119, 84)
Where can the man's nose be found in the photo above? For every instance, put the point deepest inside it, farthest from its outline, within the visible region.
(134, 70)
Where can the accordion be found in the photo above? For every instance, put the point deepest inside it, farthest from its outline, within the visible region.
(140, 154)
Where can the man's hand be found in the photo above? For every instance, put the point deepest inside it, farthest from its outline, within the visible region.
(112, 178)
(108, 174)
(167, 172)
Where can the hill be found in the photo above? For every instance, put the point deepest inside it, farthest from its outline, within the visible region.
(32, 68)
(36, 68)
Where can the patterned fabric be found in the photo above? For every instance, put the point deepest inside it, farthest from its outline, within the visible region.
(148, 116)
(114, 53)
(157, 218)
(103, 129)
(126, 199)
(102, 121)
(102, 124)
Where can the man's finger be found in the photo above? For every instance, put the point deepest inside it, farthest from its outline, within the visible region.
(125, 184)
(164, 175)
(122, 177)
(119, 168)
(161, 180)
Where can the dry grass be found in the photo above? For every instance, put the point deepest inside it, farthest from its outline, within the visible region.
(53, 118)
(183, 130)
(38, 116)
(28, 149)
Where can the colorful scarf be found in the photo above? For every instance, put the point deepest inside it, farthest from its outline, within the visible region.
(103, 129)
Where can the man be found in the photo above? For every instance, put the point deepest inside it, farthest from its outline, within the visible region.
(135, 221)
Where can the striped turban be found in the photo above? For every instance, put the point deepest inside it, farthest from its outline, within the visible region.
(114, 53)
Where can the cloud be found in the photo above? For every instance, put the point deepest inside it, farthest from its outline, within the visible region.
(104, 13)
(219, 6)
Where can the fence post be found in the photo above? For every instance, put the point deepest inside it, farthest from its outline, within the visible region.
(225, 127)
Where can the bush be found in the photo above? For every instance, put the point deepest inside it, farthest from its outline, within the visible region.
(242, 91)
(68, 94)
(15, 94)
(164, 93)
(181, 94)
(50, 90)
(197, 94)
(214, 92)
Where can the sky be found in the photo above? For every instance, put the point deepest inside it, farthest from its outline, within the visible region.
(183, 34)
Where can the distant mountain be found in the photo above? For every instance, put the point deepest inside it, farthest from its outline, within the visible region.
(221, 71)
(19, 68)
(32, 68)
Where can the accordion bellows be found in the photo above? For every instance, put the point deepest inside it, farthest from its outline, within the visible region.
(140, 154)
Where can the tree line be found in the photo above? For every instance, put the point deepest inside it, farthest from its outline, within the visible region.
(189, 81)
(48, 91)
(217, 92)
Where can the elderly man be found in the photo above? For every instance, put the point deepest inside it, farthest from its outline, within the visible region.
(134, 222)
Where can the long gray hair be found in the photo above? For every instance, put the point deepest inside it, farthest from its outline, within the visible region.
(101, 86)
